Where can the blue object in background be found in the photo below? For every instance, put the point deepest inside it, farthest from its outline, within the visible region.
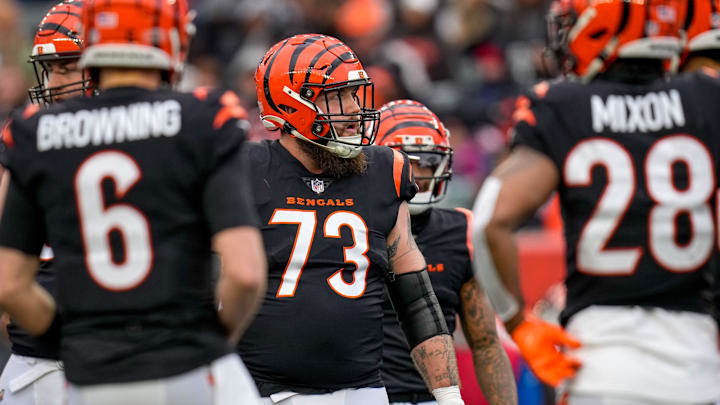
(530, 390)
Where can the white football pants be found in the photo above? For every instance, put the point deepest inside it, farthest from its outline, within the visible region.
(224, 382)
(32, 381)
(360, 396)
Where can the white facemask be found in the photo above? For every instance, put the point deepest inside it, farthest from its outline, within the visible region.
(420, 203)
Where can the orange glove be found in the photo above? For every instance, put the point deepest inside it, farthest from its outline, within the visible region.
(541, 345)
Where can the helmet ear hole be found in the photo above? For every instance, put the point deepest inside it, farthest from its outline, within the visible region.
(287, 109)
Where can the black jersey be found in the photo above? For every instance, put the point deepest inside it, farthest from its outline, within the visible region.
(46, 346)
(128, 188)
(320, 326)
(638, 166)
(444, 240)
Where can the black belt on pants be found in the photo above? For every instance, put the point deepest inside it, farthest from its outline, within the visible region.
(411, 397)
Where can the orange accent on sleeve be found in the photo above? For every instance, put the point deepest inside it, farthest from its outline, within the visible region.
(201, 93)
(398, 163)
(469, 216)
(231, 109)
(30, 110)
(7, 135)
(523, 112)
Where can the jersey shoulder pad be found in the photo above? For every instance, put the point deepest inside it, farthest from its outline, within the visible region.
(393, 165)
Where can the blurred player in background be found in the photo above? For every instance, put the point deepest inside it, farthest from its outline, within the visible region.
(443, 237)
(634, 158)
(336, 226)
(33, 374)
(132, 189)
(701, 28)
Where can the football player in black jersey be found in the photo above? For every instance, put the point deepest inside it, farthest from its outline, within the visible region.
(132, 189)
(634, 159)
(335, 226)
(33, 374)
(443, 237)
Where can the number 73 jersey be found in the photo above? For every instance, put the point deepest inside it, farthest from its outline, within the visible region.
(320, 326)
(638, 166)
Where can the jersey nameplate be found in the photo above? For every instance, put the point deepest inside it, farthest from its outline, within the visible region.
(645, 113)
(107, 126)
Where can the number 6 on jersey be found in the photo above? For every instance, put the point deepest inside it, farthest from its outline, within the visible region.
(97, 221)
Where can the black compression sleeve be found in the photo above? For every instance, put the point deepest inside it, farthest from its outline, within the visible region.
(417, 307)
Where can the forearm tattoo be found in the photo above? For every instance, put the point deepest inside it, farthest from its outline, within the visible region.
(436, 362)
(492, 367)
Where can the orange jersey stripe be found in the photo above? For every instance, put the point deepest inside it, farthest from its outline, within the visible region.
(7, 135)
(30, 110)
(469, 216)
(398, 163)
(201, 93)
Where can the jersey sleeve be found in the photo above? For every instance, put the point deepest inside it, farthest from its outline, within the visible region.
(22, 226)
(403, 178)
(227, 197)
(533, 122)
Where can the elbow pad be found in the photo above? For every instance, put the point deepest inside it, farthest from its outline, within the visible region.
(417, 307)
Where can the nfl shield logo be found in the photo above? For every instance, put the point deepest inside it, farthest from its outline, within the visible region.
(317, 185)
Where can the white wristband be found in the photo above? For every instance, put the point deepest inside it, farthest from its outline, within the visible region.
(448, 395)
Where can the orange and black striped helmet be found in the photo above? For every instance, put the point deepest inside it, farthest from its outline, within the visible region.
(294, 82)
(587, 36)
(146, 34)
(701, 26)
(57, 39)
(410, 126)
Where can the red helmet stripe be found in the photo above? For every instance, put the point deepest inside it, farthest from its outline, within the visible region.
(407, 124)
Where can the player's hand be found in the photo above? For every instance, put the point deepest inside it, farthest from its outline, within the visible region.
(541, 344)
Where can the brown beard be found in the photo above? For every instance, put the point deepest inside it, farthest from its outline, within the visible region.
(333, 165)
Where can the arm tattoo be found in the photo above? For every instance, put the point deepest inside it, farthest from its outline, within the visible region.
(492, 367)
(391, 252)
(435, 360)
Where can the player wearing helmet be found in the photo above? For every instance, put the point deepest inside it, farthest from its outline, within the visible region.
(55, 55)
(336, 226)
(634, 159)
(443, 237)
(701, 28)
(132, 234)
(33, 374)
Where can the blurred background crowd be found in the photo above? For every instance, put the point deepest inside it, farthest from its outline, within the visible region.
(465, 59)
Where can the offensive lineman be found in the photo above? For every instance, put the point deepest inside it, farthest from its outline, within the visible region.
(33, 375)
(634, 158)
(335, 226)
(443, 237)
(132, 189)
